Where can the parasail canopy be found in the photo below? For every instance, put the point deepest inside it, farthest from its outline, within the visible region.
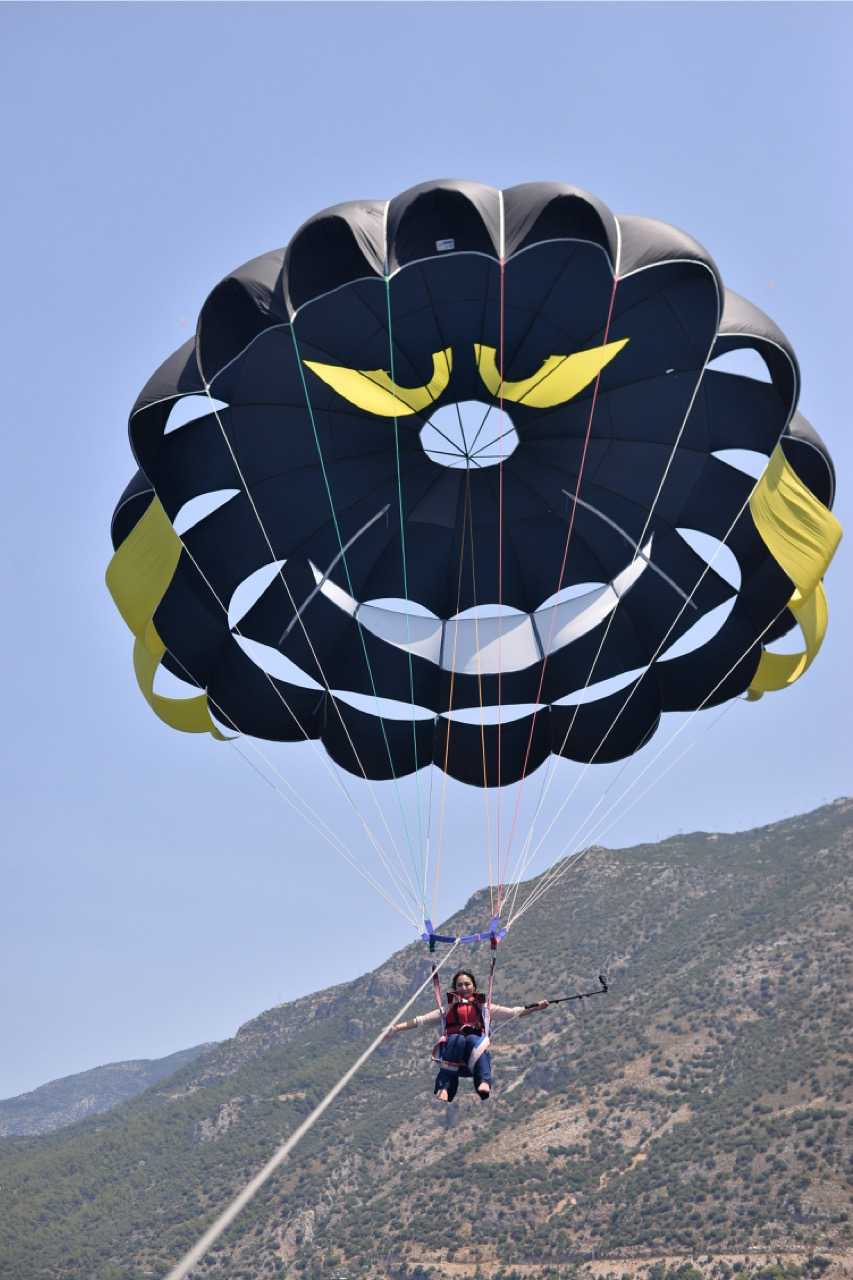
(470, 448)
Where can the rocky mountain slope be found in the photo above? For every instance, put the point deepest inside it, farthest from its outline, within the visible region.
(704, 1106)
(63, 1102)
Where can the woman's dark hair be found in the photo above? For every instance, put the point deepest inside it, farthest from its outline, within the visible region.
(458, 974)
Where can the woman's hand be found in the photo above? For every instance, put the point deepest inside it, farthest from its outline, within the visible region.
(543, 1004)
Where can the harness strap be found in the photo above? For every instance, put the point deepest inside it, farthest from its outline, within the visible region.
(436, 990)
(482, 1044)
(477, 1052)
(487, 1010)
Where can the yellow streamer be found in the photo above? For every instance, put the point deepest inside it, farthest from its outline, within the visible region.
(802, 536)
(138, 577)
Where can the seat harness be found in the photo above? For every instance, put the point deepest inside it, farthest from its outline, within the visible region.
(457, 1017)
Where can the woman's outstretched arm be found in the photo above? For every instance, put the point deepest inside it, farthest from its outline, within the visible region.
(414, 1023)
(503, 1012)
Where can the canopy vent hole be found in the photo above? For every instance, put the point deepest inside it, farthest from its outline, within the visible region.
(469, 434)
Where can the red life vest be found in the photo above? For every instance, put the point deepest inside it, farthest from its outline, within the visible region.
(464, 1015)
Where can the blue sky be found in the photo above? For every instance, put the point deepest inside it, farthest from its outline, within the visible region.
(154, 892)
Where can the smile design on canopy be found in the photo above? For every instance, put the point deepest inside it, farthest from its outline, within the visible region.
(491, 638)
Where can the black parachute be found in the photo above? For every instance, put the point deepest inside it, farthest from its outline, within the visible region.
(465, 405)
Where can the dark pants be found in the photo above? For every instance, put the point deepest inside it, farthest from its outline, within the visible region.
(454, 1056)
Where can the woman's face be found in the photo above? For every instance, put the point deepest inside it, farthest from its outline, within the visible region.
(464, 986)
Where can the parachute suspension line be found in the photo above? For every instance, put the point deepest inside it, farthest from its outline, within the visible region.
(495, 876)
(643, 533)
(524, 856)
(501, 437)
(563, 563)
(525, 847)
(599, 833)
(424, 418)
(403, 909)
(571, 860)
(500, 581)
(483, 335)
(658, 778)
(334, 515)
(316, 748)
(527, 858)
(448, 722)
(304, 629)
(490, 988)
(581, 834)
(632, 691)
(522, 339)
(436, 991)
(556, 872)
(488, 832)
(320, 827)
(467, 514)
(194, 1256)
(468, 519)
(428, 846)
(383, 511)
(424, 853)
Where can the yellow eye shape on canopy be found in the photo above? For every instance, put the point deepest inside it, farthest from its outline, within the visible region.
(375, 392)
(558, 380)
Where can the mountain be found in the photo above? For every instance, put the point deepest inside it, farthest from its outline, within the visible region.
(701, 1110)
(63, 1102)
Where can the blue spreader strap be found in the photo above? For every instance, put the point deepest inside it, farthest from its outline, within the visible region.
(494, 931)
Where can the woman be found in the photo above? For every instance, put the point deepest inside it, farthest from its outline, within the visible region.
(464, 1048)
